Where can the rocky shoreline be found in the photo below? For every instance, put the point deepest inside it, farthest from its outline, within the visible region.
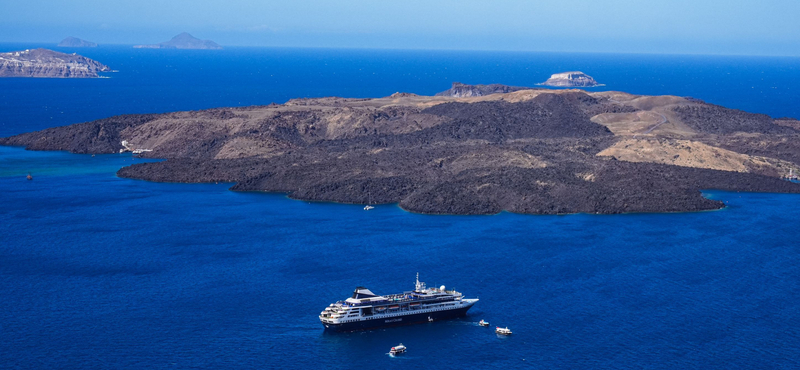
(529, 151)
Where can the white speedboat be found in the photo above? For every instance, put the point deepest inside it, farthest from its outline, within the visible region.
(502, 331)
(483, 323)
(398, 349)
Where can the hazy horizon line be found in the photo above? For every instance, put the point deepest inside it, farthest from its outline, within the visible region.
(455, 49)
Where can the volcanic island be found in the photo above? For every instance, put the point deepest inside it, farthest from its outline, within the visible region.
(473, 149)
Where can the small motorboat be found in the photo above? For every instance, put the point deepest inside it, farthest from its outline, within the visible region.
(430, 319)
(398, 349)
(483, 323)
(502, 331)
(368, 207)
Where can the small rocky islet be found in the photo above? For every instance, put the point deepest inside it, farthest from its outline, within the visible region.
(473, 149)
(571, 79)
(74, 42)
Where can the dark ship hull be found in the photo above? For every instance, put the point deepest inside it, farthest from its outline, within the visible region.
(408, 319)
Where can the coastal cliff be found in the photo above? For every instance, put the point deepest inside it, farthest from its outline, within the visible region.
(530, 151)
(570, 79)
(183, 41)
(48, 63)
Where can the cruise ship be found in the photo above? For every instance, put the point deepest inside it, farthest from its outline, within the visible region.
(366, 310)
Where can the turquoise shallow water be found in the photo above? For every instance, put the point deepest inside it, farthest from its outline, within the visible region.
(99, 272)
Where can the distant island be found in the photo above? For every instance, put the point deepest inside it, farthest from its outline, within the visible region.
(48, 63)
(183, 41)
(74, 42)
(571, 79)
(468, 150)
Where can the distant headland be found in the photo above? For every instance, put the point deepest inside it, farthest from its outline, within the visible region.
(74, 42)
(48, 63)
(183, 41)
(474, 149)
(571, 79)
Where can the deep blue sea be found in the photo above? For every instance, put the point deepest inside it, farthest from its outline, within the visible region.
(99, 272)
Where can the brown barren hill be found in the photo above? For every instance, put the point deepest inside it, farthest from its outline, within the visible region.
(471, 150)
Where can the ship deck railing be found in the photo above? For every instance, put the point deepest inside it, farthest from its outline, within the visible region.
(397, 298)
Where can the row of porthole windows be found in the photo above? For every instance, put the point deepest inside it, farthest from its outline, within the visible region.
(430, 309)
(423, 310)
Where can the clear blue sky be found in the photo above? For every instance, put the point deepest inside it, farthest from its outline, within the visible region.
(746, 27)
